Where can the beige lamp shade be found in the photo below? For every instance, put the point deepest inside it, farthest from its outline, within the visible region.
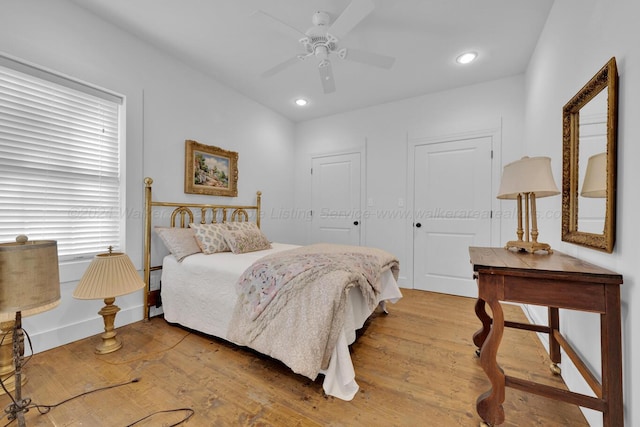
(29, 277)
(109, 275)
(595, 177)
(528, 175)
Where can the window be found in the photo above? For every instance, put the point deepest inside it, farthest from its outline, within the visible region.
(60, 168)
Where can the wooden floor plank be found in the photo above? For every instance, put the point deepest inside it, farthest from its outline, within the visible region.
(415, 366)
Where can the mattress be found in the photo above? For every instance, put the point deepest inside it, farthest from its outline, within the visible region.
(200, 293)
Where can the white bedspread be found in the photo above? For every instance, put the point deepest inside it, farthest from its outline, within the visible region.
(200, 294)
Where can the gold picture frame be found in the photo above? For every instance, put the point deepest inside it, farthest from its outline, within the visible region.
(210, 170)
(595, 104)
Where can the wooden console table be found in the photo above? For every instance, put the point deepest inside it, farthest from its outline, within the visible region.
(555, 281)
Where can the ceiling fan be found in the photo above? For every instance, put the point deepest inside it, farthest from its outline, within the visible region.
(322, 40)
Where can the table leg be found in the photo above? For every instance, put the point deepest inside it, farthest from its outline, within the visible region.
(611, 343)
(481, 334)
(554, 345)
(489, 404)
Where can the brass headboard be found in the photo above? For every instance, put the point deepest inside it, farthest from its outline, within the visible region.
(181, 216)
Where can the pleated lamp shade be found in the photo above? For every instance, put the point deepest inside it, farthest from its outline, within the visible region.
(29, 277)
(528, 175)
(108, 276)
(595, 177)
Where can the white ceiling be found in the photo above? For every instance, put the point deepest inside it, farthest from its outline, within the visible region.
(223, 39)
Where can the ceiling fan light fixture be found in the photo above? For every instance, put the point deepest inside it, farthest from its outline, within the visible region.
(301, 102)
(322, 41)
(321, 52)
(321, 18)
(466, 57)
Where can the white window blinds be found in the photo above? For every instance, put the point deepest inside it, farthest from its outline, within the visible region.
(59, 163)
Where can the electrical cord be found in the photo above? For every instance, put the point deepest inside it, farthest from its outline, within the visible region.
(43, 409)
(147, 355)
(26, 404)
(189, 411)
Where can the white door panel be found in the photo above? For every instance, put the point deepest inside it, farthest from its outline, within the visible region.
(447, 260)
(452, 201)
(335, 199)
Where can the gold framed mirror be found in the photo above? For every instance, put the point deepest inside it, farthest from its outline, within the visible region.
(589, 134)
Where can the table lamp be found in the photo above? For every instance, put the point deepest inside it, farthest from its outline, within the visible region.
(109, 275)
(528, 178)
(595, 177)
(29, 284)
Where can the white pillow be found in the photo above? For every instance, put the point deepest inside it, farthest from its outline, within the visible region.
(181, 242)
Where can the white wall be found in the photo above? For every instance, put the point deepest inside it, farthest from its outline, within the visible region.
(385, 129)
(579, 38)
(166, 103)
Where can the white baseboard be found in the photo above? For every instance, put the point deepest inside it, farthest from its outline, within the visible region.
(48, 339)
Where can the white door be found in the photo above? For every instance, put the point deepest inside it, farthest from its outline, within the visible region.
(452, 200)
(335, 199)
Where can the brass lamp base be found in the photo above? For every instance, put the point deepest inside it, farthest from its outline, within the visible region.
(108, 345)
(110, 342)
(530, 247)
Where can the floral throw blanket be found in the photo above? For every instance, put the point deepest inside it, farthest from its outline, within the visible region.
(292, 304)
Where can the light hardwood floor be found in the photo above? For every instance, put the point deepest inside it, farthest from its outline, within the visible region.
(415, 366)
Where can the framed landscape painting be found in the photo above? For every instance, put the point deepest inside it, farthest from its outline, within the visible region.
(210, 170)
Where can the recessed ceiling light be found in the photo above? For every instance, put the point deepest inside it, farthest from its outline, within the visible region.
(466, 57)
(301, 102)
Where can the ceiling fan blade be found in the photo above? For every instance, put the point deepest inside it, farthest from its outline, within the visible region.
(278, 25)
(352, 15)
(281, 66)
(326, 76)
(366, 57)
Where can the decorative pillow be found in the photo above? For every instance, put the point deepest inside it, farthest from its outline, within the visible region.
(243, 237)
(181, 242)
(245, 225)
(210, 237)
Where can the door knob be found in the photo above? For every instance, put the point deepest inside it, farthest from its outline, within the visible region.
(355, 223)
(418, 225)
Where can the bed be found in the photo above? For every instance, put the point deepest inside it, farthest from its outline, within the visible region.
(306, 316)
